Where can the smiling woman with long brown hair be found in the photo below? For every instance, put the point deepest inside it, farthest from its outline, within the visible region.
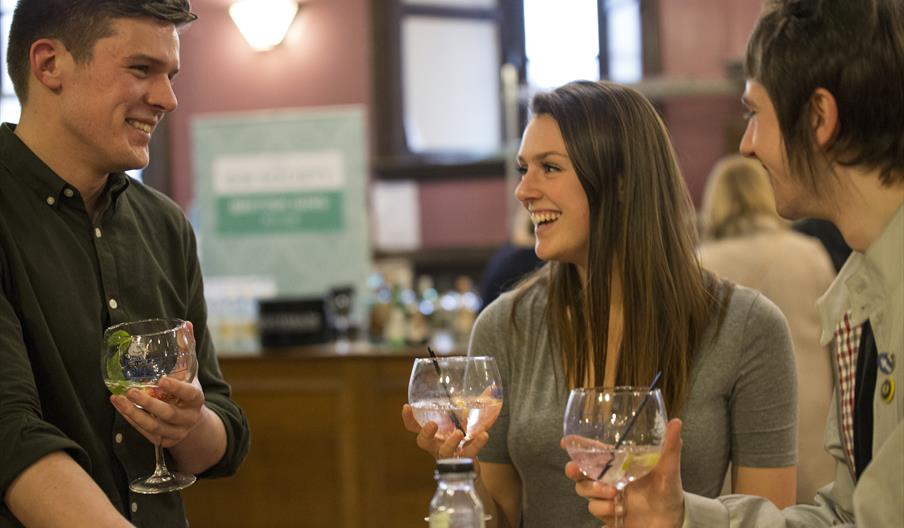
(622, 297)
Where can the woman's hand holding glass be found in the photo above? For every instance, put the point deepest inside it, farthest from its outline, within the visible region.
(453, 401)
(449, 447)
(655, 501)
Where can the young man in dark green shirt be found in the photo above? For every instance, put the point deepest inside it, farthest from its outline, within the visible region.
(83, 247)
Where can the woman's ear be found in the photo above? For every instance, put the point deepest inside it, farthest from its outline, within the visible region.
(823, 117)
(45, 60)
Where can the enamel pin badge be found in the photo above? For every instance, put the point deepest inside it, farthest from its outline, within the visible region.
(888, 390)
(886, 363)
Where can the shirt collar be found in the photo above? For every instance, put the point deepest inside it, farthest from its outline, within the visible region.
(866, 279)
(47, 185)
(117, 183)
(886, 254)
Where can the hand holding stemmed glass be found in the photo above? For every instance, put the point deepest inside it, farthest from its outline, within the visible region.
(139, 361)
(452, 401)
(614, 435)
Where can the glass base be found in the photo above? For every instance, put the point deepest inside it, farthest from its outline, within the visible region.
(162, 483)
(486, 518)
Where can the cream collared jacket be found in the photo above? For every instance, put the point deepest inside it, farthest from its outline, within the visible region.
(870, 286)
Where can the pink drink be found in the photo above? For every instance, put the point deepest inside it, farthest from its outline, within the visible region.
(121, 387)
(472, 412)
(629, 464)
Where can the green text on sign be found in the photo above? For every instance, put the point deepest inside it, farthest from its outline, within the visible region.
(276, 213)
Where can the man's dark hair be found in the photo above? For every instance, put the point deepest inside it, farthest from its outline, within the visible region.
(855, 50)
(78, 24)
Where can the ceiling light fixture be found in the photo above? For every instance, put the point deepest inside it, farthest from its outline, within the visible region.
(263, 23)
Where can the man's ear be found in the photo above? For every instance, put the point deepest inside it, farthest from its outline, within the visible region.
(44, 58)
(823, 117)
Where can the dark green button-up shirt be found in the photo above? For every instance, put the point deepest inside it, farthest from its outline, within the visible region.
(64, 279)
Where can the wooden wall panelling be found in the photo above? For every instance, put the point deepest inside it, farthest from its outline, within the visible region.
(402, 483)
(328, 448)
(291, 476)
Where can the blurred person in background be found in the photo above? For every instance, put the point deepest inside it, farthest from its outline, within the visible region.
(514, 260)
(747, 242)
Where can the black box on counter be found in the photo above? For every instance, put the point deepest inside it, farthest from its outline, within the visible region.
(293, 322)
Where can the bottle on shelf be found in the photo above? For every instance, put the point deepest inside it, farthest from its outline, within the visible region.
(420, 312)
(466, 310)
(396, 329)
(455, 503)
(379, 299)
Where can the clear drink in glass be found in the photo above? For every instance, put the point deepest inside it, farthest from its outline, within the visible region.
(455, 392)
(614, 434)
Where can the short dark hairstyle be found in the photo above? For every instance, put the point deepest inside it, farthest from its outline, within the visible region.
(855, 50)
(78, 24)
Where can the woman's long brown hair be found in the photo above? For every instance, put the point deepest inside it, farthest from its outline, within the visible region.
(641, 228)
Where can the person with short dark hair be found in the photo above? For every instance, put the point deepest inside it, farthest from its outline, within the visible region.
(825, 93)
(84, 247)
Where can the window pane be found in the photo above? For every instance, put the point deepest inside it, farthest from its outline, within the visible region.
(138, 174)
(625, 54)
(562, 42)
(450, 83)
(9, 109)
(453, 3)
(5, 19)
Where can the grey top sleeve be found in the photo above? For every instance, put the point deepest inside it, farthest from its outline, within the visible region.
(742, 401)
(763, 402)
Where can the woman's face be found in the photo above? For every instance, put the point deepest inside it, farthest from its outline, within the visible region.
(552, 194)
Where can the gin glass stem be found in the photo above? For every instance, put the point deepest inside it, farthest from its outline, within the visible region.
(618, 505)
(160, 470)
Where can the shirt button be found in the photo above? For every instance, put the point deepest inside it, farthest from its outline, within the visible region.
(118, 438)
(68, 192)
(113, 304)
(51, 200)
(97, 232)
(134, 507)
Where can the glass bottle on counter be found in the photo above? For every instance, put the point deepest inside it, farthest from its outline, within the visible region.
(420, 316)
(455, 503)
(466, 310)
(380, 297)
(396, 329)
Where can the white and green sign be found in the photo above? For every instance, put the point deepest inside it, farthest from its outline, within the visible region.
(281, 195)
(263, 193)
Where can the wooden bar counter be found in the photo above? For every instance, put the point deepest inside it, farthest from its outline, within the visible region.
(328, 448)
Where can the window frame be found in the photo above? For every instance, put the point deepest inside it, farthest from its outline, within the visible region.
(392, 159)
